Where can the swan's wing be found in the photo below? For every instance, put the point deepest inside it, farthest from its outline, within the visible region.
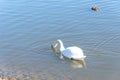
(73, 52)
(67, 53)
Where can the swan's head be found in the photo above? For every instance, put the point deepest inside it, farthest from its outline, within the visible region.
(56, 43)
(54, 46)
(54, 49)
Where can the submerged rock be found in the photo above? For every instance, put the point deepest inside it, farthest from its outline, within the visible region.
(95, 8)
(13, 79)
(6, 78)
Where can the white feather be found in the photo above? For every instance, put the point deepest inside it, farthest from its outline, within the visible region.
(70, 52)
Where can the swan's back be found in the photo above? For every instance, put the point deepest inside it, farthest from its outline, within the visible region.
(73, 52)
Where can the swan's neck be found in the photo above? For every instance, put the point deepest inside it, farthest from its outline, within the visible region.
(61, 45)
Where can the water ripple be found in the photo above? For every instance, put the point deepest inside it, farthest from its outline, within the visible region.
(28, 28)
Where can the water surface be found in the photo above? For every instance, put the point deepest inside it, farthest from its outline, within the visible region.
(28, 28)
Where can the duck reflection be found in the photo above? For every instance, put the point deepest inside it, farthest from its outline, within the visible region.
(74, 63)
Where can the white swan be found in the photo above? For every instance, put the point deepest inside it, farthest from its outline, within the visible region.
(73, 52)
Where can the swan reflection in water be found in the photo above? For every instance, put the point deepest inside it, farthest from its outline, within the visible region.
(76, 63)
(69, 54)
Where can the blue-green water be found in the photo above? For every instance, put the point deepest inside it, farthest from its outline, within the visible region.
(28, 28)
